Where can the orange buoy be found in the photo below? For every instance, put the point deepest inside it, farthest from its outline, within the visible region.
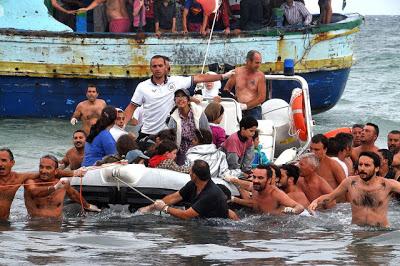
(209, 6)
(333, 133)
(298, 113)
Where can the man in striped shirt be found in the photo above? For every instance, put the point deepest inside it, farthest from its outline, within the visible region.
(296, 13)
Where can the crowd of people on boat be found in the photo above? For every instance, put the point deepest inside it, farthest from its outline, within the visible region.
(171, 16)
(178, 135)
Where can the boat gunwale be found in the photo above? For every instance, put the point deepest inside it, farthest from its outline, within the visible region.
(351, 21)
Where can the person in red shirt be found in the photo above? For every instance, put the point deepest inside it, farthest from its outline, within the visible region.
(222, 22)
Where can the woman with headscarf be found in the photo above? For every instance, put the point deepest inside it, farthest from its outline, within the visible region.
(100, 142)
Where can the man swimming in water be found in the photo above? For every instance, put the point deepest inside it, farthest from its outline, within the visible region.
(288, 183)
(369, 135)
(74, 156)
(89, 110)
(310, 182)
(266, 197)
(10, 181)
(250, 86)
(368, 193)
(44, 196)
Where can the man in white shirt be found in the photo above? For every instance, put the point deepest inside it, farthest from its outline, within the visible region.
(156, 95)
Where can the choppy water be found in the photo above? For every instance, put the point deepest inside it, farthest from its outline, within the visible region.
(119, 237)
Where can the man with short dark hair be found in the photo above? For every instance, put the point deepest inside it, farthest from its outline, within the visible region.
(267, 198)
(88, 111)
(238, 147)
(288, 183)
(156, 95)
(74, 156)
(393, 141)
(250, 86)
(356, 132)
(328, 168)
(369, 135)
(368, 193)
(396, 166)
(206, 199)
(44, 196)
(385, 169)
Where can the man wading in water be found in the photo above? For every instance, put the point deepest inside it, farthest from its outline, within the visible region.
(368, 193)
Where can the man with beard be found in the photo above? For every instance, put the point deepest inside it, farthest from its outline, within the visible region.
(44, 196)
(356, 132)
(368, 193)
(267, 198)
(74, 156)
(310, 182)
(393, 141)
(89, 110)
(396, 166)
(287, 182)
(369, 135)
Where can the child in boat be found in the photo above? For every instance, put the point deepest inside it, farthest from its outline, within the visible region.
(165, 158)
(259, 156)
(214, 112)
(239, 148)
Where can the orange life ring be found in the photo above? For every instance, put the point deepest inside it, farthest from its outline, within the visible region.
(333, 133)
(298, 113)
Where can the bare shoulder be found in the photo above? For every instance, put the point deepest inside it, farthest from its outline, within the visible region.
(390, 182)
(101, 102)
(260, 74)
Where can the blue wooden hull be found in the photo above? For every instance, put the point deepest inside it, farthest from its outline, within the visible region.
(58, 97)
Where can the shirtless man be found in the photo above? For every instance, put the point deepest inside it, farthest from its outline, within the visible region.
(89, 110)
(328, 168)
(44, 196)
(396, 166)
(287, 183)
(310, 182)
(266, 197)
(116, 12)
(369, 194)
(10, 181)
(369, 135)
(356, 132)
(74, 156)
(393, 141)
(250, 87)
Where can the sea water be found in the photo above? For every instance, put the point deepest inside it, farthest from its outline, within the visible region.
(116, 236)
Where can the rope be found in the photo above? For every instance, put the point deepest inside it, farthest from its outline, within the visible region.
(209, 40)
(18, 185)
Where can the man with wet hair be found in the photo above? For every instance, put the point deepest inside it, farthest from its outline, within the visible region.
(74, 156)
(337, 151)
(288, 183)
(250, 86)
(44, 196)
(356, 132)
(368, 193)
(206, 199)
(346, 139)
(88, 111)
(393, 141)
(396, 166)
(312, 184)
(328, 168)
(369, 135)
(267, 198)
(156, 95)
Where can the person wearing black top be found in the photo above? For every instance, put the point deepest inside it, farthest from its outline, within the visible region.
(206, 199)
(165, 16)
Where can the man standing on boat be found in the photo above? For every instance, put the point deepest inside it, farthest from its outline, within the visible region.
(250, 87)
(368, 193)
(117, 14)
(89, 110)
(156, 95)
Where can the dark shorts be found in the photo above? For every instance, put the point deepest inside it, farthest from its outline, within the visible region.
(254, 112)
(324, 3)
